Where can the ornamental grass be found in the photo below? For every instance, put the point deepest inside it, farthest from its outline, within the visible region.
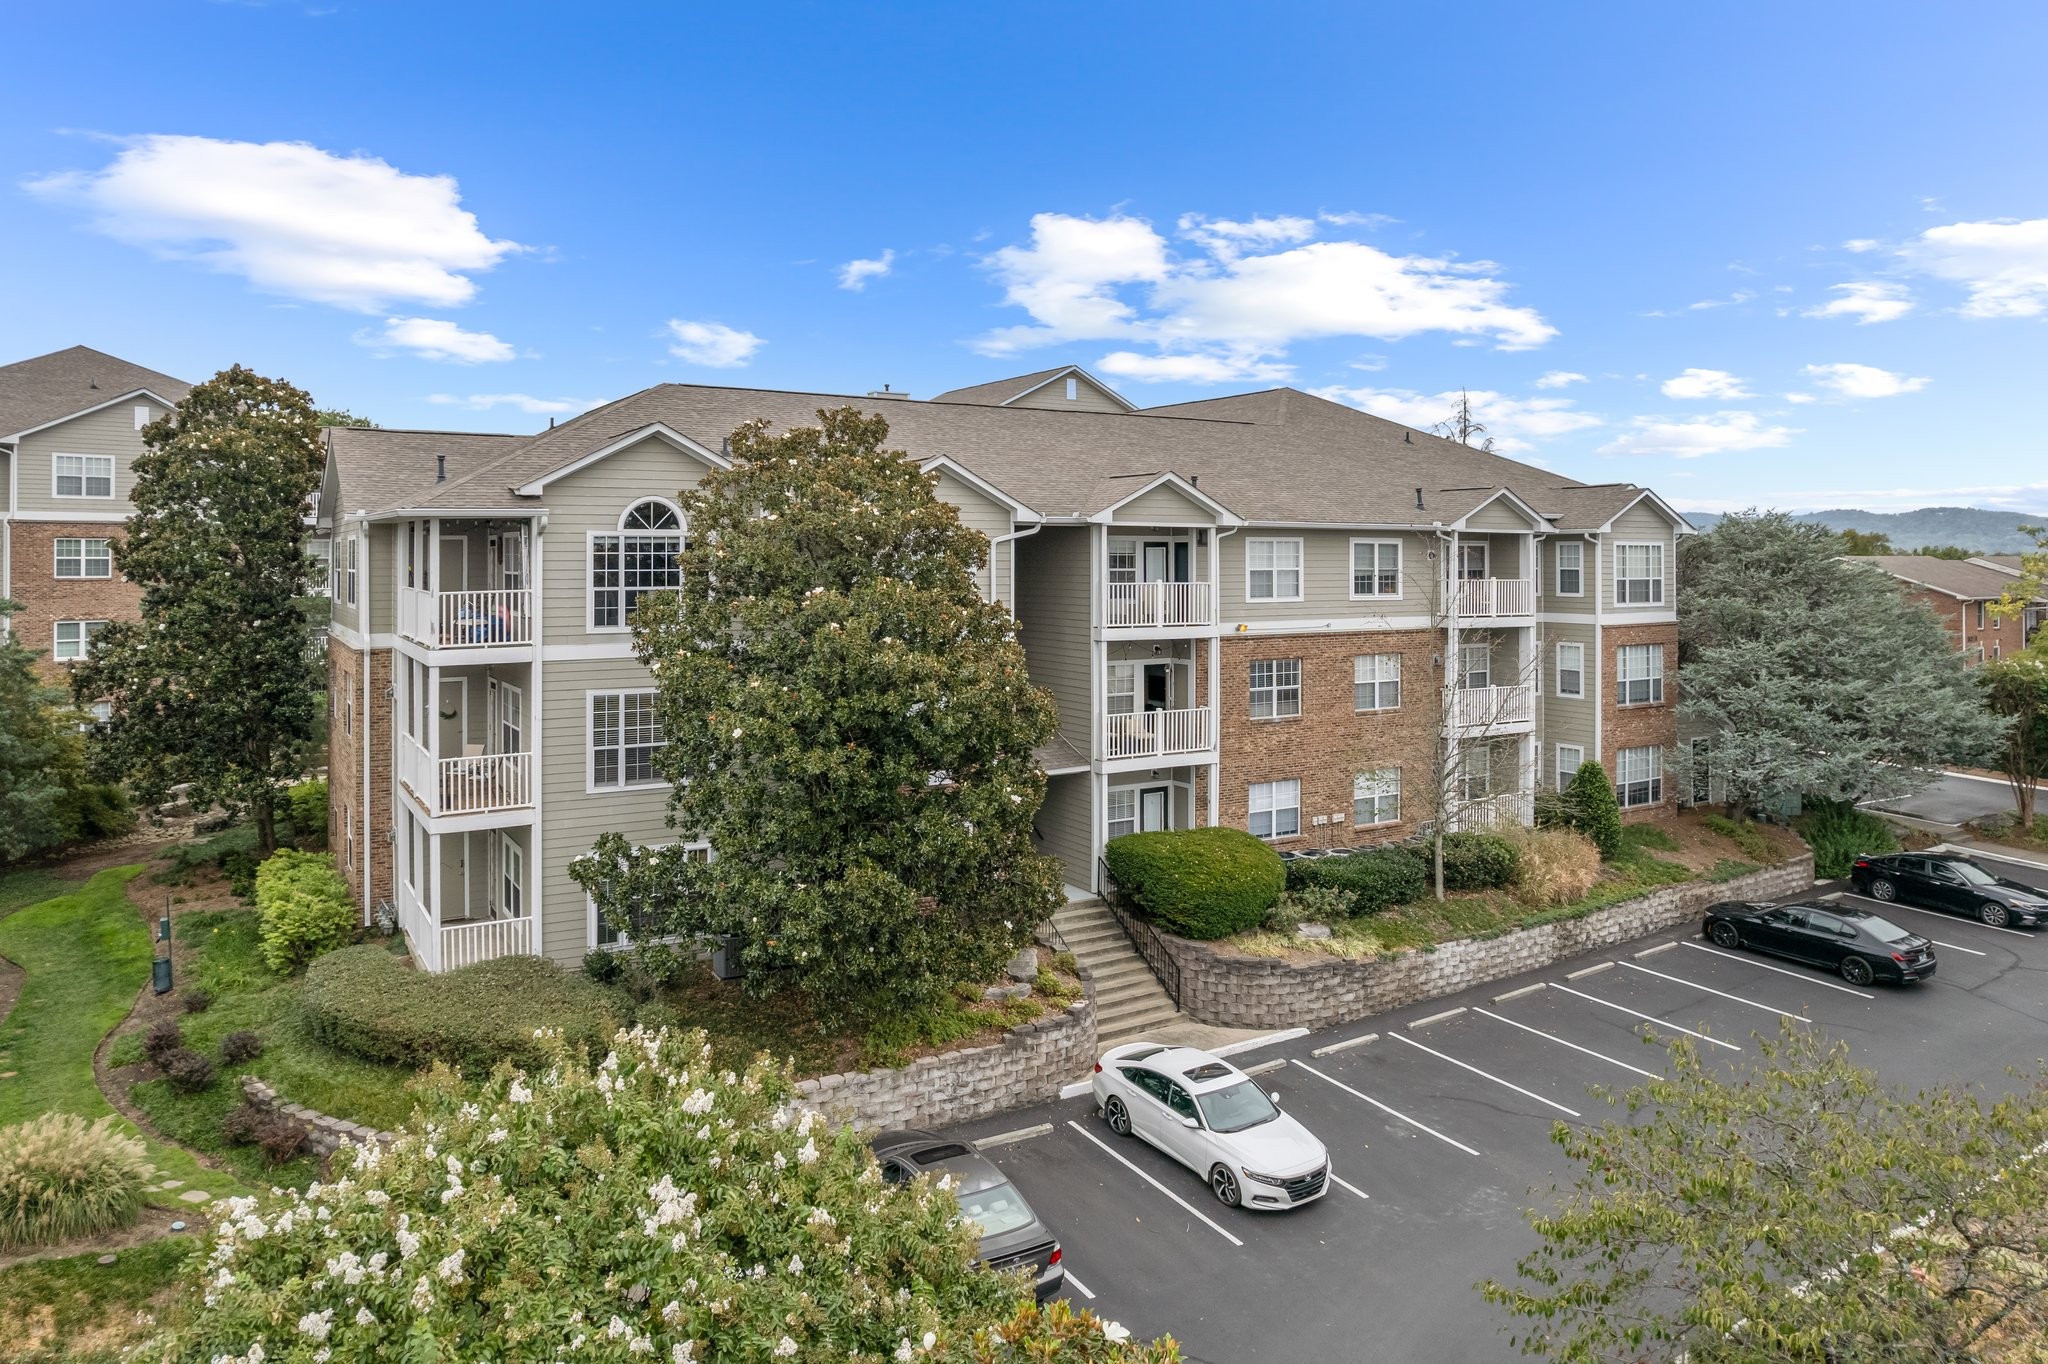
(61, 1177)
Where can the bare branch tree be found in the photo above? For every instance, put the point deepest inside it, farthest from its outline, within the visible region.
(1462, 426)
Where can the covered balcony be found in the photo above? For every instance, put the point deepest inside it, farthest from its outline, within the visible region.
(462, 897)
(1158, 605)
(469, 784)
(1493, 710)
(464, 584)
(1158, 733)
(1493, 597)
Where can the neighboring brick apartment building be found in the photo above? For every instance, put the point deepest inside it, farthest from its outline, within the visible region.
(70, 429)
(1961, 592)
(1269, 611)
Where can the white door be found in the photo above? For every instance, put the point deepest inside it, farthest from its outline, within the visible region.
(454, 564)
(452, 717)
(512, 560)
(1156, 562)
(1155, 809)
(512, 865)
(454, 878)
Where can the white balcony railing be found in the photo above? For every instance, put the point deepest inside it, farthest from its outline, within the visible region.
(1490, 812)
(449, 947)
(473, 785)
(466, 620)
(1132, 606)
(1158, 733)
(1493, 707)
(1495, 596)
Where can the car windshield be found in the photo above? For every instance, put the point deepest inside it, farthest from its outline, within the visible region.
(1974, 874)
(1884, 930)
(996, 1209)
(1239, 1106)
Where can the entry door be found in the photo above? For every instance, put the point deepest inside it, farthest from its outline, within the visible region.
(1158, 564)
(454, 879)
(1155, 809)
(512, 560)
(454, 564)
(1158, 692)
(451, 715)
(1472, 560)
(512, 893)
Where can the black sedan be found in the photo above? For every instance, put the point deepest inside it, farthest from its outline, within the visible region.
(1950, 883)
(1861, 946)
(1012, 1236)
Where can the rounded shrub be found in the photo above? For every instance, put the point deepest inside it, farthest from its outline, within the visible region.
(1593, 809)
(61, 1177)
(187, 1071)
(604, 966)
(1557, 866)
(307, 803)
(239, 1046)
(1375, 878)
(1198, 883)
(1479, 861)
(304, 908)
(196, 1000)
(163, 1038)
(363, 1001)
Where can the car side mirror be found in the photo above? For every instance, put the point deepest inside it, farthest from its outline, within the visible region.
(1274, 1095)
(1189, 1122)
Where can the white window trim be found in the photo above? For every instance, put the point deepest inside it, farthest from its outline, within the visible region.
(1657, 578)
(1655, 676)
(624, 941)
(1376, 683)
(1352, 570)
(1108, 810)
(622, 787)
(1655, 780)
(1465, 652)
(619, 531)
(113, 477)
(84, 639)
(1358, 779)
(1300, 566)
(1252, 690)
(1250, 808)
(353, 565)
(1580, 569)
(106, 552)
(1471, 549)
(1564, 776)
(1580, 694)
(510, 851)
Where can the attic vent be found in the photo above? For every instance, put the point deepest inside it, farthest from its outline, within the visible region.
(1073, 388)
(1418, 499)
(440, 468)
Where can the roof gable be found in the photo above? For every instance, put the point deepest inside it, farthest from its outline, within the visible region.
(1069, 387)
(37, 392)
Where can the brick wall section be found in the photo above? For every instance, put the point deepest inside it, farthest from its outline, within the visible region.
(1229, 989)
(1027, 1067)
(1960, 617)
(1329, 742)
(46, 599)
(346, 736)
(1635, 726)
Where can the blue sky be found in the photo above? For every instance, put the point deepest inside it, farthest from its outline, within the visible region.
(1771, 254)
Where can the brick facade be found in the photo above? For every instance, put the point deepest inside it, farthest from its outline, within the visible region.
(352, 727)
(1636, 726)
(46, 599)
(1995, 638)
(1330, 741)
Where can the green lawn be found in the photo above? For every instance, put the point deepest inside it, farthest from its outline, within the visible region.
(86, 955)
(19, 889)
(79, 1311)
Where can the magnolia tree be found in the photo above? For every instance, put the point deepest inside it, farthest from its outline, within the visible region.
(847, 722)
(652, 1208)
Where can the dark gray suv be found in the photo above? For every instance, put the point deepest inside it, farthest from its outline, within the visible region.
(1012, 1236)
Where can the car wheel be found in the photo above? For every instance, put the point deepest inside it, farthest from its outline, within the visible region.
(1993, 913)
(1117, 1116)
(1225, 1185)
(1881, 889)
(1857, 971)
(1725, 934)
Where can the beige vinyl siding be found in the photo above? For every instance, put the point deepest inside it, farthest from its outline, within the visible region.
(593, 499)
(377, 589)
(345, 615)
(1562, 720)
(1638, 525)
(1053, 582)
(1053, 397)
(1503, 554)
(1498, 515)
(1326, 577)
(1590, 563)
(571, 816)
(1065, 823)
(1166, 506)
(110, 431)
(980, 512)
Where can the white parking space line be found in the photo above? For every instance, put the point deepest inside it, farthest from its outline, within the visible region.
(1346, 1184)
(1525, 1093)
(1751, 960)
(1190, 1208)
(1086, 1291)
(1647, 1018)
(1647, 1074)
(1932, 914)
(1681, 980)
(1979, 852)
(1360, 1094)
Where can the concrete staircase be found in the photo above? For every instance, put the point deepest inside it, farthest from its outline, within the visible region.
(1129, 1000)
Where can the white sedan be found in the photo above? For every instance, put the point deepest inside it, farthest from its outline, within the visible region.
(1208, 1115)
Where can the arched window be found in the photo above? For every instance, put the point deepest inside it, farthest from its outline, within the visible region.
(640, 558)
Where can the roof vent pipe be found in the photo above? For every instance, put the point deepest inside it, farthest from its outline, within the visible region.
(1418, 499)
(440, 468)
(551, 423)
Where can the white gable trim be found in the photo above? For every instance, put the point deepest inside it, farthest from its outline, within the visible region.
(157, 398)
(1224, 515)
(659, 430)
(1538, 523)
(1018, 511)
(1678, 521)
(1078, 372)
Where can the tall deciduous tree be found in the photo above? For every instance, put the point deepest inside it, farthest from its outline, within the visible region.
(2017, 688)
(32, 751)
(848, 724)
(1866, 542)
(2031, 585)
(216, 685)
(1797, 1212)
(1814, 675)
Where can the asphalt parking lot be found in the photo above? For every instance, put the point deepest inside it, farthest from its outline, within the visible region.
(1953, 798)
(1439, 1134)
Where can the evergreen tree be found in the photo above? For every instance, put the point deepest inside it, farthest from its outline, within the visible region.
(216, 685)
(1594, 811)
(32, 748)
(848, 724)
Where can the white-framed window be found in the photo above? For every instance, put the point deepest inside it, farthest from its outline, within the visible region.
(1980, 615)
(74, 639)
(1640, 777)
(1123, 811)
(1375, 568)
(1571, 670)
(84, 558)
(141, 415)
(1376, 797)
(82, 476)
(1472, 559)
(603, 934)
(1123, 559)
(348, 839)
(1272, 570)
(1276, 688)
(1638, 575)
(1639, 674)
(625, 734)
(1073, 388)
(1275, 808)
(638, 559)
(1475, 665)
(511, 877)
(511, 719)
(1376, 682)
(1122, 683)
(354, 563)
(1571, 568)
(1570, 758)
(1473, 779)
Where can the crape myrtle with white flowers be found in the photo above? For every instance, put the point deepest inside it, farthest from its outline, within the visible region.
(848, 723)
(651, 1208)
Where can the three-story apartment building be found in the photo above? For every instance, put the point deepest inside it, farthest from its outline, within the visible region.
(1269, 611)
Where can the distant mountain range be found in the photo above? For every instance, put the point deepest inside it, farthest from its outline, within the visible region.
(1988, 532)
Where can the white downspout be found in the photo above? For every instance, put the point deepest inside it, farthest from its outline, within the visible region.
(369, 716)
(1010, 539)
(1216, 667)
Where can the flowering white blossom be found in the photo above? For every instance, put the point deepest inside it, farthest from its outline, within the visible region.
(408, 1242)
(698, 1102)
(808, 1154)
(796, 1264)
(903, 1350)
(784, 1348)
(365, 1317)
(496, 1135)
(683, 1352)
(450, 1268)
(1111, 1331)
(519, 1093)
(317, 1324)
(423, 1295)
(820, 1218)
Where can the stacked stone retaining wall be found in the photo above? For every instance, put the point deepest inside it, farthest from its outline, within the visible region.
(324, 1135)
(1218, 985)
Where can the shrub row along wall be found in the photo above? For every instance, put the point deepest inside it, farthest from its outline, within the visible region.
(324, 1135)
(1027, 1067)
(1217, 985)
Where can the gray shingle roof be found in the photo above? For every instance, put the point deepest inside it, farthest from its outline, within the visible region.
(380, 470)
(38, 391)
(999, 391)
(1955, 577)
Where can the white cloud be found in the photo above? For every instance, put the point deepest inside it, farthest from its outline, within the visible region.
(1705, 383)
(351, 231)
(2002, 263)
(1514, 423)
(1191, 369)
(1863, 381)
(1861, 244)
(1867, 301)
(1692, 437)
(1799, 398)
(855, 274)
(522, 402)
(711, 343)
(433, 338)
(1254, 289)
(1560, 378)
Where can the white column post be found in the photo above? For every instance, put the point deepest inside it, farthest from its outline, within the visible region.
(433, 915)
(1215, 688)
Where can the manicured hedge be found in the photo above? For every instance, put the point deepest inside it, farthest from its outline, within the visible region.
(304, 907)
(1477, 861)
(1199, 883)
(1375, 877)
(361, 1000)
